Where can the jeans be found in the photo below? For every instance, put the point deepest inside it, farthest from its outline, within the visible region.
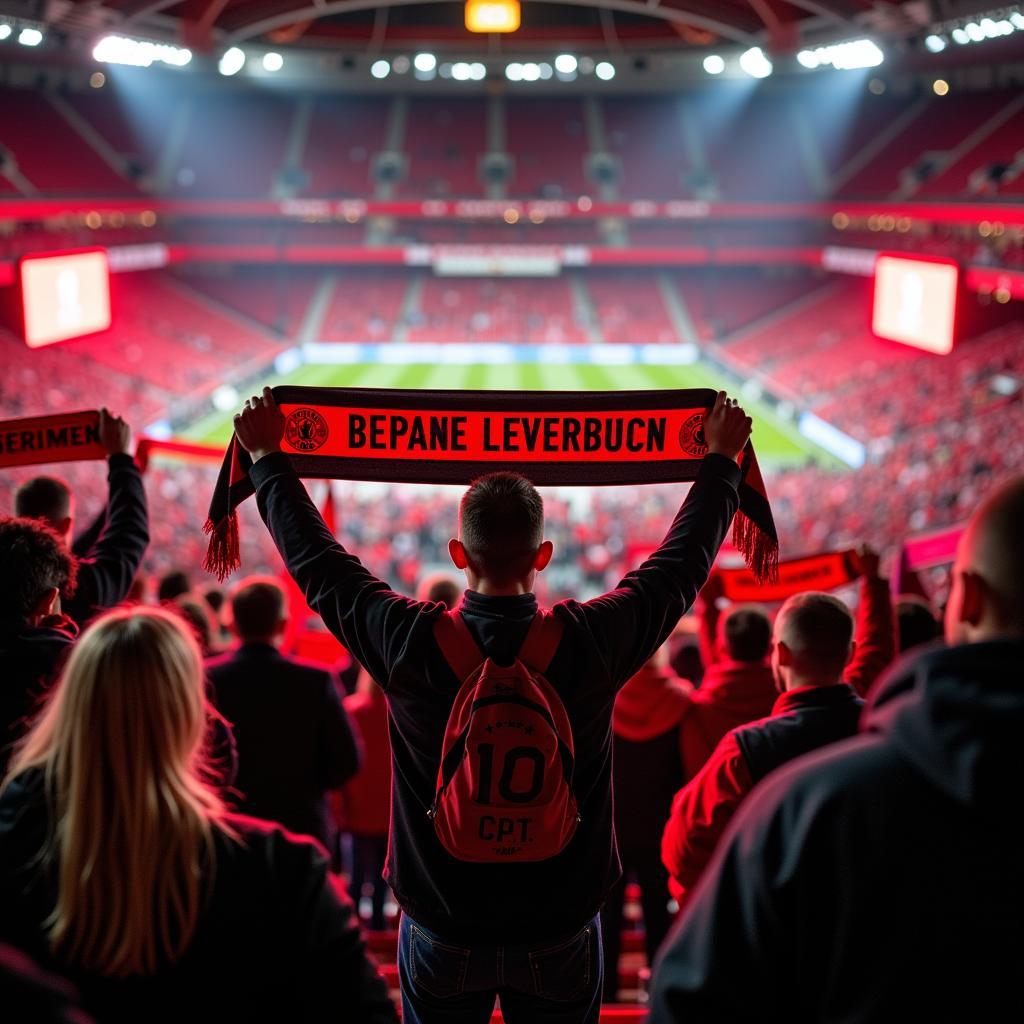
(553, 982)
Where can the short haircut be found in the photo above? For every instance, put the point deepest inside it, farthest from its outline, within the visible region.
(501, 525)
(997, 550)
(172, 585)
(258, 607)
(196, 612)
(916, 622)
(33, 560)
(440, 587)
(746, 633)
(818, 629)
(43, 497)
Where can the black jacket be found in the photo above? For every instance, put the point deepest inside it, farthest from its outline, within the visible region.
(106, 569)
(802, 720)
(30, 659)
(646, 775)
(878, 880)
(605, 641)
(277, 942)
(294, 739)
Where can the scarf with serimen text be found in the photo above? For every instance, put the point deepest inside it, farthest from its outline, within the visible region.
(451, 437)
(64, 437)
(826, 571)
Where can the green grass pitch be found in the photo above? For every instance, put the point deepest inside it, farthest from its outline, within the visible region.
(778, 443)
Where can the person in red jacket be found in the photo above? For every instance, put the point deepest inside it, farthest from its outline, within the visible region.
(366, 798)
(737, 685)
(819, 671)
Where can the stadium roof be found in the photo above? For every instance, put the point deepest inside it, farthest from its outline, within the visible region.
(380, 24)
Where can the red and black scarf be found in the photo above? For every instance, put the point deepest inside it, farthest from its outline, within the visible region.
(451, 437)
(826, 571)
(63, 437)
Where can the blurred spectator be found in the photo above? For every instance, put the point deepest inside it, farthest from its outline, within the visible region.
(196, 612)
(193, 893)
(173, 585)
(440, 587)
(37, 572)
(647, 769)
(366, 797)
(117, 541)
(295, 742)
(916, 622)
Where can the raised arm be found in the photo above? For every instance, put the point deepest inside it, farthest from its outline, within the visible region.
(876, 626)
(634, 620)
(107, 569)
(370, 619)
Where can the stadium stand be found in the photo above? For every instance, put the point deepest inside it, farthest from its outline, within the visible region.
(646, 135)
(443, 144)
(548, 142)
(630, 309)
(364, 306)
(344, 135)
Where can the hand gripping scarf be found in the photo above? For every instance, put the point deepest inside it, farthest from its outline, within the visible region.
(826, 571)
(451, 437)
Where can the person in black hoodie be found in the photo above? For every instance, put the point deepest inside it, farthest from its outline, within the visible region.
(471, 931)
(110, 551)
(38, 572)
(880, 880)
(122, 870)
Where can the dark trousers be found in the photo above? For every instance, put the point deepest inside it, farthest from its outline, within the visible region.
(368, 856)
(553, 982)
(643, 864)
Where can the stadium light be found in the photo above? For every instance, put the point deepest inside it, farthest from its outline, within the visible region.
(940, 87)
(30, 37)
(755, 63)
(808, 59)
(531, 72)
(514, 71)
(935, 44)
(492, 15)
(974, 32)
(5, 31)
(272, 62)
(380, 69)
(960, 36)
(1017, 20)
(566, 64)
(477, 71)
(714, 64)
(424, 63)
(853, 55)
(232, 62)
(461, 71)
(139, 53)
(605, 70)
(545, 70)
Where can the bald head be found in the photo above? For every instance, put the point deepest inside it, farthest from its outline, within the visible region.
(813, 641)
(986, 600)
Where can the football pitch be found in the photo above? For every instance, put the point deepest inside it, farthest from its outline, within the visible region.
(777, 441)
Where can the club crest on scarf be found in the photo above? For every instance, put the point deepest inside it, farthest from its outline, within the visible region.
(691, 436)
(306, 430)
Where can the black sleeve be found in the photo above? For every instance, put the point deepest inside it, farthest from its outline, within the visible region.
(363, 612)
(106, 571)
(340, 750)
(630, 623)
(333, 972)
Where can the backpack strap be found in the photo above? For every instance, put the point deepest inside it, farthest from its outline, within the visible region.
(542, 640)
(460, 650)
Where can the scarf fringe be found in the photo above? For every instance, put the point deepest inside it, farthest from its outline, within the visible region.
(760, 551)
(223, 556)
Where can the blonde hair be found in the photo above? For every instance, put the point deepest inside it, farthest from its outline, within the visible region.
(121, 746)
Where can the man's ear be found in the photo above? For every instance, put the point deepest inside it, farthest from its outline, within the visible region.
(851, 652)
(458, 554)
(48, 604)
(974, 592)
(63, 526)
(281, 626)
(544, 553)
(785, 655)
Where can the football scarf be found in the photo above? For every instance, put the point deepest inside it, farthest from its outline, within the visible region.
(64, 437)
(452, 437)
(816, 572)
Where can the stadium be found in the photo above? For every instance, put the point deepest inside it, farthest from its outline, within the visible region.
(816, 207)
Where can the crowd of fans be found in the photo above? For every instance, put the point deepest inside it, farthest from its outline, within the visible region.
(145, 715)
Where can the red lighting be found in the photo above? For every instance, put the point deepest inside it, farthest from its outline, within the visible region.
(64, 295)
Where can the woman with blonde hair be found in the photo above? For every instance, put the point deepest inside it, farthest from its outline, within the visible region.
(121, 868)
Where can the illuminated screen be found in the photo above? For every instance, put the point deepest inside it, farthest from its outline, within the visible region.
(64, 296)
(915, 302)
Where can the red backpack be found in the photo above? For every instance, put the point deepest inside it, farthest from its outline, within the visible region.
(504, 788)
